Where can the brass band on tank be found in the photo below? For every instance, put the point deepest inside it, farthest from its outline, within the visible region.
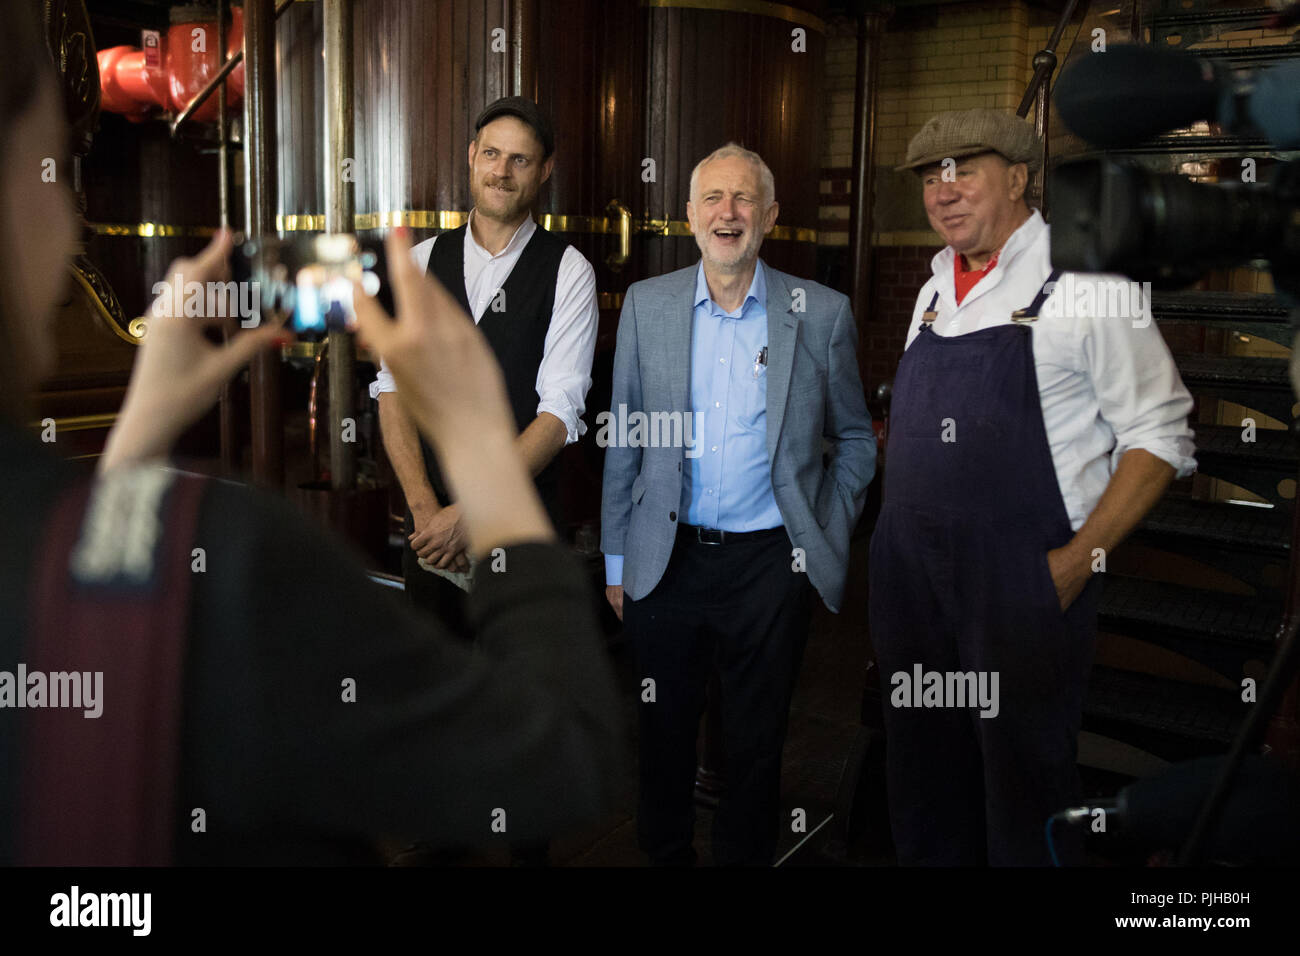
(761, 8)
(444, 220)
(149, 230)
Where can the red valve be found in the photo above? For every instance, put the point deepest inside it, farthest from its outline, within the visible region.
(168, 72)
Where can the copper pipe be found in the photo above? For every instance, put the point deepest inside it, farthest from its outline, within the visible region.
(259, 208)
(223, 139)
(871, 28)
(226, 405)
(522, 80)
(312, 404)
(339, 217)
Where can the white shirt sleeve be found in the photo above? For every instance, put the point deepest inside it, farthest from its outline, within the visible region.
(1140, 394)
(564, 374)
(420, 253)
(383, 381)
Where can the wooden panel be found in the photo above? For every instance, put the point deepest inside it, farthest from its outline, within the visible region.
(713, 76)
(589, 72)
(300, 106)
(423, 73)
(137, 174)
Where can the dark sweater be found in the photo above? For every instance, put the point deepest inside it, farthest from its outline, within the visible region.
(439, 737)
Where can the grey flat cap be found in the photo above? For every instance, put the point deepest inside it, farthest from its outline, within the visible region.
(967, 132)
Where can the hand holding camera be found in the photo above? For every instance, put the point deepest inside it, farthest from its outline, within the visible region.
(178, 373)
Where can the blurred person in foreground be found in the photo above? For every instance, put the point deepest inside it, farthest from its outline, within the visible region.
(277, 707)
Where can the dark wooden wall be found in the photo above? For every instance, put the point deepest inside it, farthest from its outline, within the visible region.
(624, 81)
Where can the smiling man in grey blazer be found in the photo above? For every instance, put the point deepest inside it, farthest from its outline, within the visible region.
(738, 454)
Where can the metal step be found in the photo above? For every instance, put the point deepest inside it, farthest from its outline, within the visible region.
(1260, 383)
(1275, 447)
(1217, 630)
(1249, 544)
(1175, 152)
(1196, 144)
(1171, 720)
(1263, 316)
(1188, 523)
(1197, 25)
(1236, 370)
(1251, 622)
(1262, 466)
(1250, 57)
(1193, 27)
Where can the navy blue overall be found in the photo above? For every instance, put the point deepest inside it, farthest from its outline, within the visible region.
(960, 583)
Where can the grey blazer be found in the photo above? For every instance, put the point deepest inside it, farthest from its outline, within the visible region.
(815, 402)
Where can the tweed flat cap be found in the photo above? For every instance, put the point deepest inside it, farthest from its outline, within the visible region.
(967, 132)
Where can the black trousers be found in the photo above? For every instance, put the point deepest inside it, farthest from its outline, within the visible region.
(740, 608)
(435, 594)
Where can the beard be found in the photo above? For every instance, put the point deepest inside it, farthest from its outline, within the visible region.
(728, 259)
(500, 204)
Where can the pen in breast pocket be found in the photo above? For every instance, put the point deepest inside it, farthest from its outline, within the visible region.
(760, 361)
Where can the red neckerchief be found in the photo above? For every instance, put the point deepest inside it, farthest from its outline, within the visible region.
(963, 279)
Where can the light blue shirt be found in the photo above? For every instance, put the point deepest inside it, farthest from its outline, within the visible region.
(728, 482)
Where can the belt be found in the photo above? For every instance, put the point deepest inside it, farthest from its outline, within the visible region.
(716, 536)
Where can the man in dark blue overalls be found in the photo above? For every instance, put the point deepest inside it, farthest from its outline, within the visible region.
(1028, 435)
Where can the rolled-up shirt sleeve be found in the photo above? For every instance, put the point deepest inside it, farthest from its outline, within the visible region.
(383, 381)
(1140, 394)
(564, 374)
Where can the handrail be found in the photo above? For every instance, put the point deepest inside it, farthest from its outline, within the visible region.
(202, 95)
(1039, 91)
(1043, 70)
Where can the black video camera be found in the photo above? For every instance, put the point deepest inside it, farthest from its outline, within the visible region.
(1112, 217)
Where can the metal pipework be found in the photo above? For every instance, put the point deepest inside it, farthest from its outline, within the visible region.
(226, 407)
(622, 217)
(339, 217)
(1038, 93)
(259, 210)
(218, 81)
(871, 29)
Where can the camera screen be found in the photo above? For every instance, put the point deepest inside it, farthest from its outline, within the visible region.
(309, 279)
(324, 295)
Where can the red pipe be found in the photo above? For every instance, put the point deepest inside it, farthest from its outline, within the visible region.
(135, 81)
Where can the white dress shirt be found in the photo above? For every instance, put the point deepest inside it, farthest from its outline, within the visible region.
(1108, 384)
(564, 374)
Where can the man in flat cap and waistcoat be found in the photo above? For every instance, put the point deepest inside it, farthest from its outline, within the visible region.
(534, 297)
(1029, 433)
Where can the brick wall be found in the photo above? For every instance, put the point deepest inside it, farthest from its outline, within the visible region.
(900, 271)
(952, 57)
(837, 138)
(933, 58)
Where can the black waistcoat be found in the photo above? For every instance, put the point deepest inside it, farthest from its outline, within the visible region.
(515, 329)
